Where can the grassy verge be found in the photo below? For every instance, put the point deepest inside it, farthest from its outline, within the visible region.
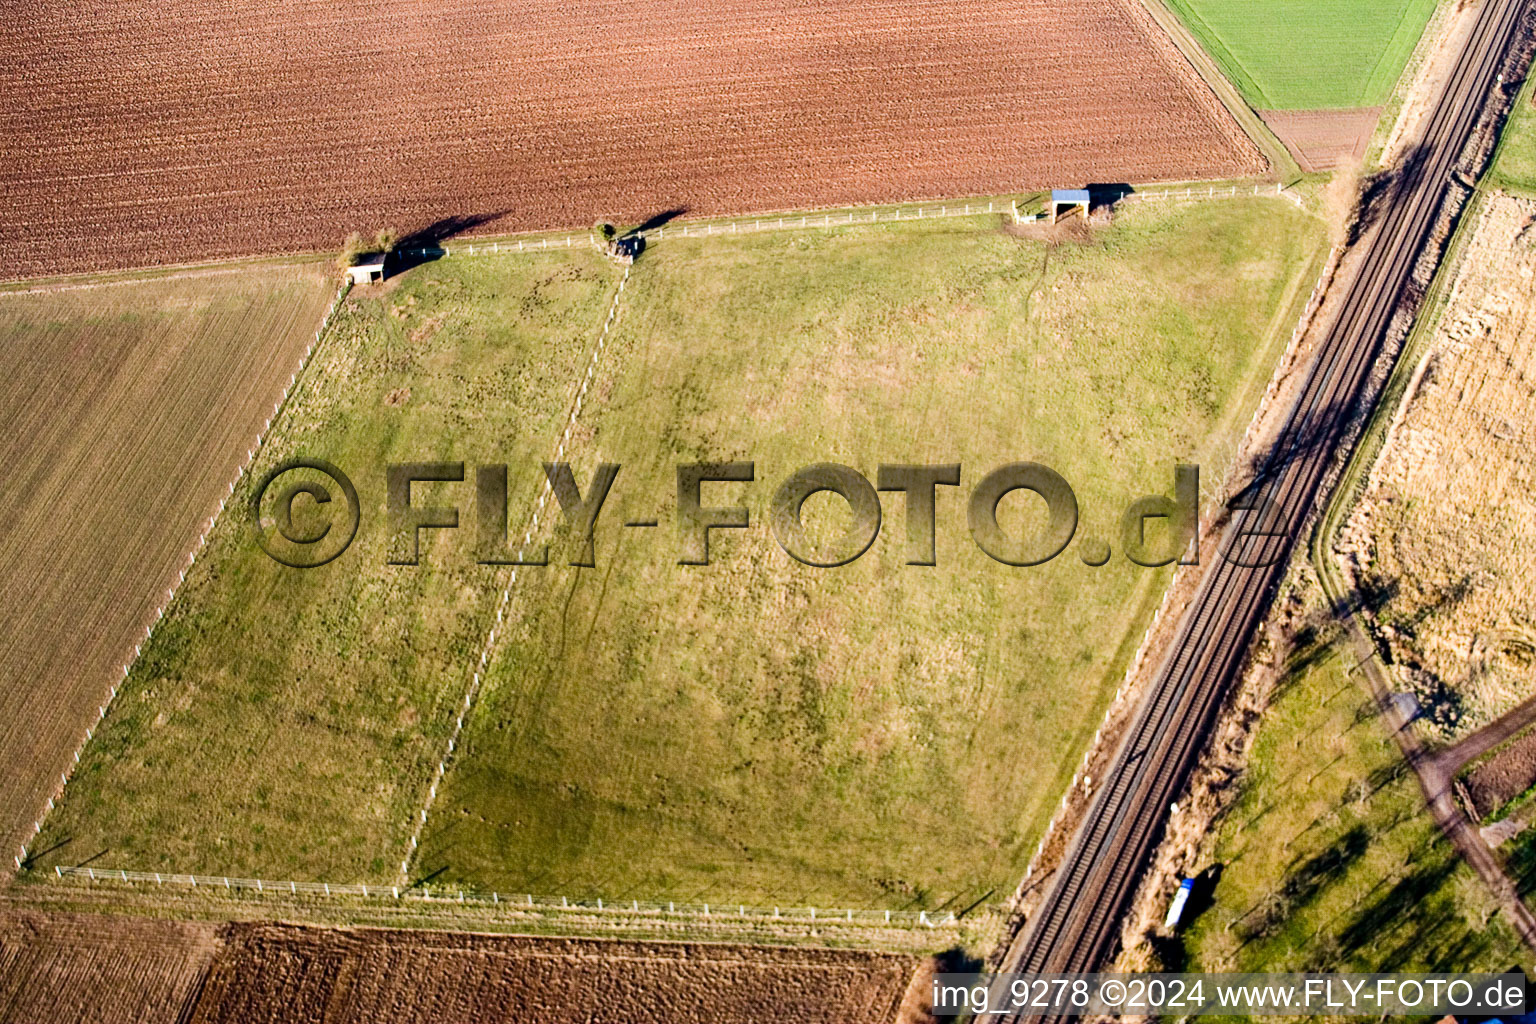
(878, 734)
(284, 722)
(1309, 54)
(1282, 165)
(1515, 169)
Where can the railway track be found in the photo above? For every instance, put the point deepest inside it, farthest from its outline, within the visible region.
(1073, 929)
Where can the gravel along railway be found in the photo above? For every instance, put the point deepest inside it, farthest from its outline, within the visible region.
(1074, 927)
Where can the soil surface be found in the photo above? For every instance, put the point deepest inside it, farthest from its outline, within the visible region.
(291, 974)
(126, 410)
(1503, 776)
(1321, 140)
(77, 967)
(59, 966)
(141, 132)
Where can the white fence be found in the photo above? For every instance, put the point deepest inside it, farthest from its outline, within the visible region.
(801, 221)
(731, 227)
(518, 901)
(1195, 192)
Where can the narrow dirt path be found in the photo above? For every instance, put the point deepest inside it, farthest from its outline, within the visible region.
(1450, 760)
(1435, 781)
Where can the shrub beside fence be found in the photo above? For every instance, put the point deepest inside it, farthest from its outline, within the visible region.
(515, 901)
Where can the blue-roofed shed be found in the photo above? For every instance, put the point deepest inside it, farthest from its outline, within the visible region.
(1069, 198)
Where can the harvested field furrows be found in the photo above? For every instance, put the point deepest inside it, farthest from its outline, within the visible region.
(1321, 140)
(125, 411)
(62, 968)
(144, 133)
(272, 973)
(1503, 776)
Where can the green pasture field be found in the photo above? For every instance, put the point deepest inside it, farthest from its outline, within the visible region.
(753, 730)
(1330, 860)
(285, 722)
(877, 734)
(1515, 169)
(1309, 54)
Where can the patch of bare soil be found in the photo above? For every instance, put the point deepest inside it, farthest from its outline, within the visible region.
(1442, 538)
(1321, 140)
(1500, 778)
(272, 973)
(104, 970)
(153, 131)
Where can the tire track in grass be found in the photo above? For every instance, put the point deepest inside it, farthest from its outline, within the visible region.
(420, 822)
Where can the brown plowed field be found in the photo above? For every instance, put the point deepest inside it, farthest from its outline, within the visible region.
(147, 131)
(1321, 140)
(61, 968)
(274, 973)
(58, 967)
(1504, 776)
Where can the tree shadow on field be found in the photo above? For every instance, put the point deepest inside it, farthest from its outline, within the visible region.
(1303, 883)
(655, 221)
(426, 244)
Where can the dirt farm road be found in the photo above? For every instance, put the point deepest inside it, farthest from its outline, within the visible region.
(1450, 760)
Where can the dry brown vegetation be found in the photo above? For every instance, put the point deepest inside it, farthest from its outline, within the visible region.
(141, 132)
(1443, 538)
(125, 410)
